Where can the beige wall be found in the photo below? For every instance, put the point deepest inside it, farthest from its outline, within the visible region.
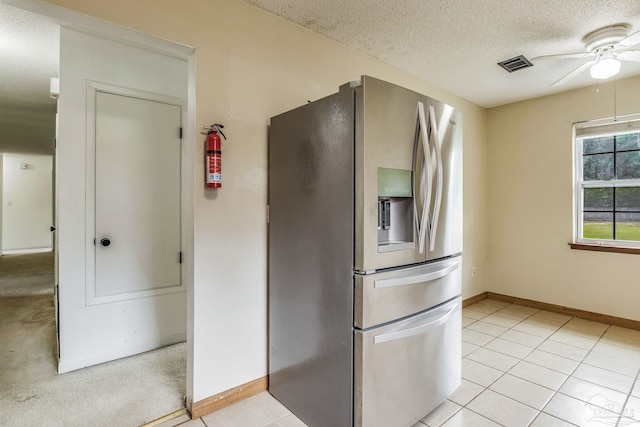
(251, 65)
(531, 204)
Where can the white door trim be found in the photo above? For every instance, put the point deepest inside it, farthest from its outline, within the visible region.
(109, 30)
(98, 27)
(90, 278)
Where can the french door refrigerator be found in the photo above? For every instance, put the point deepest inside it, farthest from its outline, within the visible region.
(365, 249)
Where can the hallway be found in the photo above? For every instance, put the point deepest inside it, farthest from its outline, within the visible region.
(125, 392)
(29, 274)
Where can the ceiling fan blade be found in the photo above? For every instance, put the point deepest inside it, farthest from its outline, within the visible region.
(632, 40)
(575, 72)
(629, 55)
(561, 56)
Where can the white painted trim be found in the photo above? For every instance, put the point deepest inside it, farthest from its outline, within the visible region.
(93, 87)
(99, 27)
(26, 251)
(72, 365)
(580, 185)
(607, 126)
(90, 260)
(190, 137)
(610, 183)
(1, 198)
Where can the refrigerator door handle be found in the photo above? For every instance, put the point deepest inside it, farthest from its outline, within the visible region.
(433, 228)
(419, 278)
(393, 336)
(425, 178)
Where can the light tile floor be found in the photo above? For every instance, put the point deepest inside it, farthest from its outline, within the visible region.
(520, 367)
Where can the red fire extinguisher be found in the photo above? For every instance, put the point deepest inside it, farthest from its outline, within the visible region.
(213, 156)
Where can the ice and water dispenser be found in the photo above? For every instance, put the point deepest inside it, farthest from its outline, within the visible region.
(395, 210)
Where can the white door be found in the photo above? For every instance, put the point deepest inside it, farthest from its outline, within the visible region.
(120, 162)
(137, 196)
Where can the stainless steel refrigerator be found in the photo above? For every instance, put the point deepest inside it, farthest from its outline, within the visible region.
(365, 249)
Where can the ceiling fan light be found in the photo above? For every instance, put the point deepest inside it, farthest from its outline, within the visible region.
(605, 68)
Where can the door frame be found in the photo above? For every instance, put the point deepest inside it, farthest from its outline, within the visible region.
(92, 89)
(104, 29)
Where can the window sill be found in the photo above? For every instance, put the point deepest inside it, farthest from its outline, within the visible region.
(604, 248)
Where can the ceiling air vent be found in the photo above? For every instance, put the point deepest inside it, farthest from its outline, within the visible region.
(515, 64)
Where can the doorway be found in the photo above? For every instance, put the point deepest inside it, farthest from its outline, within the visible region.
(113, 370)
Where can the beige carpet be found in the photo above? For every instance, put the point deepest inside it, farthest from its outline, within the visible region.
(30, 274)
(126, 392)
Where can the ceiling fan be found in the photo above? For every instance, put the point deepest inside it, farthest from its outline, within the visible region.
(606, 46)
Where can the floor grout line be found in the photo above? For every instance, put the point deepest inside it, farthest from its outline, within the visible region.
(504, 372)
(578, 353)
(579, 362)
(624, 405)
(568, 376)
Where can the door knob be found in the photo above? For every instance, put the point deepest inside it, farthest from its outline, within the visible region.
(105, 242)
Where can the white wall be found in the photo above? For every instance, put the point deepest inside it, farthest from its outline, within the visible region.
(26, 202)
(1, 200)
(251, 65)
(531, 204)
(85, 338)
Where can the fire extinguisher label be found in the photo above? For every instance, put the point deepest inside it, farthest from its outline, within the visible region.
(213, 157)
(214, 169)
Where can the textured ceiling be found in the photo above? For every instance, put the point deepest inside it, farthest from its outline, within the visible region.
(29, 57)
(455, 44)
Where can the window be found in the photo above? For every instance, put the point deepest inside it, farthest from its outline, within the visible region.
(608, 182)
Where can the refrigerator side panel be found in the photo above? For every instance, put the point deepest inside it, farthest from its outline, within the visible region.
(311, 211)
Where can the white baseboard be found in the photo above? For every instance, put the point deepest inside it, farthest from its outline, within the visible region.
(25, 251)
(72, 365)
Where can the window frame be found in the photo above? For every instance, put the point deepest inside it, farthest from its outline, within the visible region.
(594, 129)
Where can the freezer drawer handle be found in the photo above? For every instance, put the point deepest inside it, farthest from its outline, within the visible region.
(393, 336)
(412, 280)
